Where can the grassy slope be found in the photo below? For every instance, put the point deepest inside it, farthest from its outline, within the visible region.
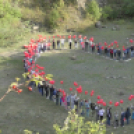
(33, 112)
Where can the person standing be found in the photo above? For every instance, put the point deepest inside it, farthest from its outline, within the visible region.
(68, 98)
(54, 94)
(101, 113)
(111, 53)
(47, 91)
(114, 53)
(132, 51)
(122, 118)
(109, 115)
(44, 46)
(62, 43)
(58, 44)
(70, 43)
(105, 51)
(116, 119)
(132, 107)
(93, 108)
(86, 45)
(97, 112)
(76, 103)
(92, 47)
(72, 100)
(41, 88)
(51, 93)
(87, 107)
(57, 97)
(118, 54)
(75, 43)
(81, 107)
(54, 44)
(127, 115)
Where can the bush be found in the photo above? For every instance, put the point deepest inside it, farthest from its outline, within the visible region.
(52, 18)
(128, 8)
(109, 13)
(35, 15)
(93, 10)
(76, 125)
(106, 12)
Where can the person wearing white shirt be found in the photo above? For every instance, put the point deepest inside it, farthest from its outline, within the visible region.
(62, 42)
(101, 113)
(70, 42)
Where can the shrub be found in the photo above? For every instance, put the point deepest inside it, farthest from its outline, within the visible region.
(94, 10)
(76, 125)
(128, 8)
(52, 18)
(106, 12)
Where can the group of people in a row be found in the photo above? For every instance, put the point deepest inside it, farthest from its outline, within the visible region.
(72, 101)
(89, 46)
(81, 106)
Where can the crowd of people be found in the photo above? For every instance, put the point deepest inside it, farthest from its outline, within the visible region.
(72, 101)
(110, 51)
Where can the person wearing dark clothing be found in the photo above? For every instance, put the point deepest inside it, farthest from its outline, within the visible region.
(57, 97)
(58, 44)
(111, 53)
(127, 115)
(47, 91)
(114, 53)
(86, 46)
(42, 91)
(105, 51)
(51, 93)
(122, 118)
(132, 50)
(76, 103)
(109, 115)
(44, 46)
(53, 44)
(40, 87)
(93, 108)
(128, 52)
(93, 48)
(97, 48)
(118, 54)
(70, 43)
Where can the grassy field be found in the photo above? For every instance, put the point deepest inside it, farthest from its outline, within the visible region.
(31, 111)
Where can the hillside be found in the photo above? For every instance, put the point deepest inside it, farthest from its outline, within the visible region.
(21, 17)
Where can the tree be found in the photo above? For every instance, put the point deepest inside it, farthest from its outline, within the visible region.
(93, 10)
(128, 8)
(76, 125)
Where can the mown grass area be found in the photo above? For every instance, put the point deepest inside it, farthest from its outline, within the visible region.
(90, 72)
(30, 110)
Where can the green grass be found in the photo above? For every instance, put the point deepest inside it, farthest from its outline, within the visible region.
(30, 110)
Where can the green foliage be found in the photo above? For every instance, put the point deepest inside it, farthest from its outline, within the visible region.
(93, 10)
(109, 13)
(56, 15)
(8, 12)
(52, 18)
(9, 23)
(106, 12)
(128, 8)
(29, 132)
(76, 125)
